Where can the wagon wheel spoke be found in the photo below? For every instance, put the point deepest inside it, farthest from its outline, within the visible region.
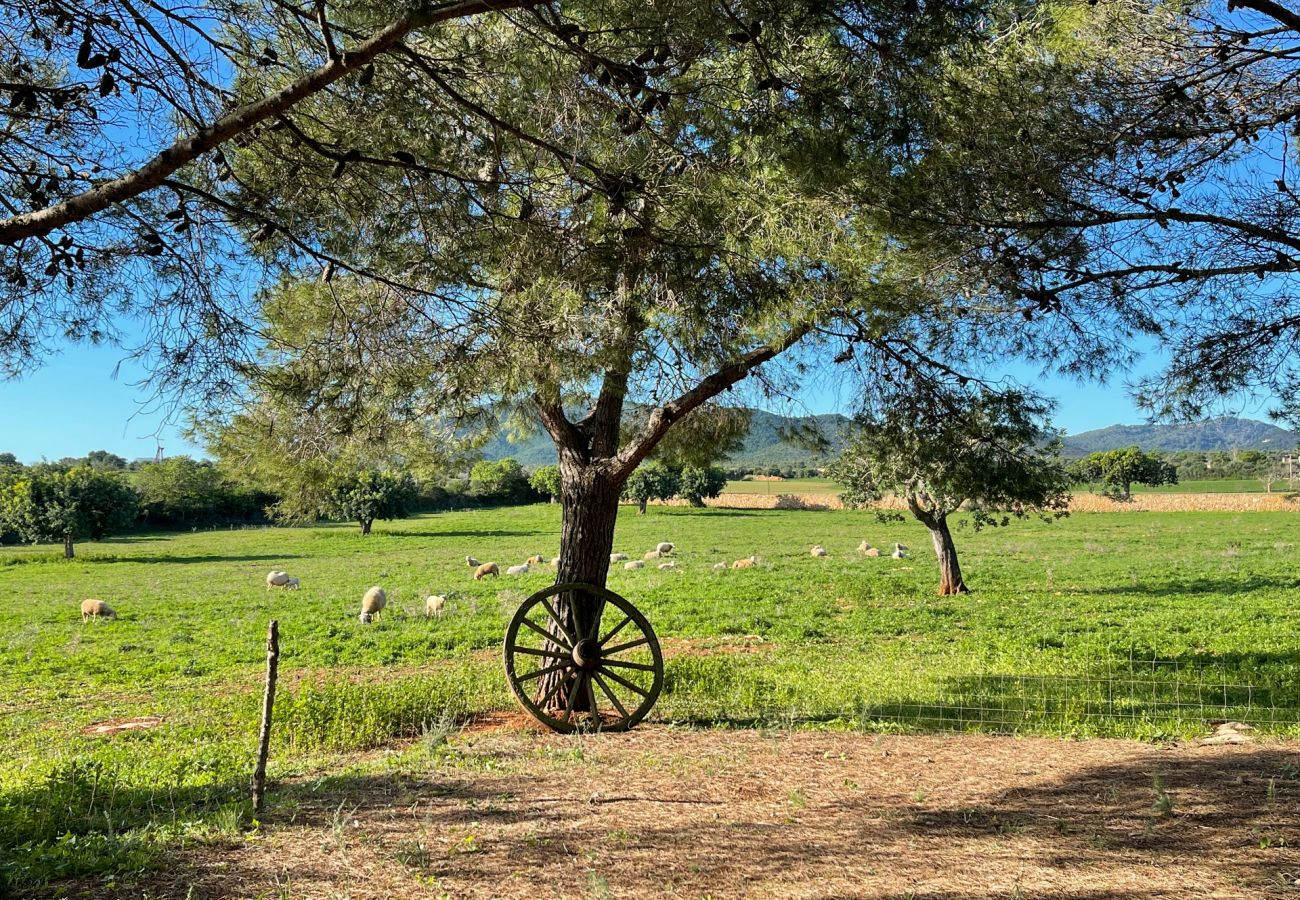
(573, 698)
(615, 630)
(559, 622)
(619, 679)
(610, 651)
(593, 708)
(538, 673)
(531, 651)
(544, 633)
(622, 711)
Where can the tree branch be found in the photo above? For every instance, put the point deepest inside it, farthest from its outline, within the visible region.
(1275, 11)
(239, 120)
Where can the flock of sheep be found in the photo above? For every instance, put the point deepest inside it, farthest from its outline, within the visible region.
(375, 599)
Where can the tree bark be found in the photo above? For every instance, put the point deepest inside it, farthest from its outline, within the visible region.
(365, 525)
(950, 580)
(641, 505)
(67, 546)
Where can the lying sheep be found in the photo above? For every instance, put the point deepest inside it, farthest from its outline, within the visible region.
(536, 560)
(653, 554)
(434, 605)
(864, 547)
(719, 567)
(672, 564)
(748, 563)
(486, 569)
(518, 570)
(96, 609)
(900, 552)
(617, 557)
(634, 564)
(472, 562)
(276, 579)
(871, 551)
(665, 547)
(372, 604)
(818, 550)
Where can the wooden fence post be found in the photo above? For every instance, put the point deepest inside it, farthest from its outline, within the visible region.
(268, 702)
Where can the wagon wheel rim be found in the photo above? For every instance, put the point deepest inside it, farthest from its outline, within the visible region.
(618, 664)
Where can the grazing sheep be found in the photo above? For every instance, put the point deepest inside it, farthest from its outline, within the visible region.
(96, 609)
(819, 550)
(536, 560)
(672, 564)
(900, 552)
(871, 551)
(434, 605)
(719, 567)
(653, 554)
(472, 562)
(518, 570)
(291, 584)
(617, 557)
(276, 579)
(666, 547)
(372, 603)
(745, 563)
(486, 569)
(634, 564)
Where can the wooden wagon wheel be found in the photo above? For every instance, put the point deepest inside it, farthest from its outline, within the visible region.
(610, 674)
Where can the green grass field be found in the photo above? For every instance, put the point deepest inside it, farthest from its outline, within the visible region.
(1130, 624)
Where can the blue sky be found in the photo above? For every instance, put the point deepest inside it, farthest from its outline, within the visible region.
(74, 404)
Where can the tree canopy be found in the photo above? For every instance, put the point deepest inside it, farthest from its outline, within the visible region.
(68, 505)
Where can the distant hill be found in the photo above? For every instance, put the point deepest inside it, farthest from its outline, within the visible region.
(765, 445)
(1227, 433)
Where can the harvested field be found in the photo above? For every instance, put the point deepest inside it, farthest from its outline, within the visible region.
(672, 812)
(1081, 502)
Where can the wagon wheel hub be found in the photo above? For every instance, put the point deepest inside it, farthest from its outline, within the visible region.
(586, 655)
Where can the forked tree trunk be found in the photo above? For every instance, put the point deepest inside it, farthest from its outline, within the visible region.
(365, 525)
(67, 546)
(641, 505)
(950, 581)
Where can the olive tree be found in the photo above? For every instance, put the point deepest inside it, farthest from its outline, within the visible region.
(52, 504)
(369, 494)
(1118, 470)
(987, 453)
(650, 481)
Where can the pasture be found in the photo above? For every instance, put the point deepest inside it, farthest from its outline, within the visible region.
(1131, 625)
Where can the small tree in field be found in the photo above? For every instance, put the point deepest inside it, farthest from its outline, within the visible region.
(989, 451)
(369, 494)
(1118, 470)
(69, 505)
(697, 482)
(546, 481)
(650, 482)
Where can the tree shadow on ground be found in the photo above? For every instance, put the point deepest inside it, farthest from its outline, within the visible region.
(207, 558)
(1197, 586)
(469, 533)
(1150, 825)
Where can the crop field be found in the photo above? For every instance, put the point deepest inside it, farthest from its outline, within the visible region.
(1146, 625)
(824, 486)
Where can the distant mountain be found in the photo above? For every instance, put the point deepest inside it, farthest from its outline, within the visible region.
(765, 445)
(1227, 433)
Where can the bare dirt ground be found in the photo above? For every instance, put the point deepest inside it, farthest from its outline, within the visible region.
(499, 811)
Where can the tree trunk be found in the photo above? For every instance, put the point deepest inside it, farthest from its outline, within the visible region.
(365, 525)
(67, 546)
(950, 581)
(641, 504)
(589, 498)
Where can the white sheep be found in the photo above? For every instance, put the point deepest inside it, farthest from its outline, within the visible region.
(517, 570)
(486, 569)
(671, 564)
(747, 563)
(818, 550)
(634, 564)
(276, 578)
(864, 547)
(871, 551)
(472, 562)
(96, 609)
(900, 552)
(372, 604)
(291, 584)
(720, 567)
(536, 560)
(666, 547)
(653, 554)
(617, 557)
(434, 605)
